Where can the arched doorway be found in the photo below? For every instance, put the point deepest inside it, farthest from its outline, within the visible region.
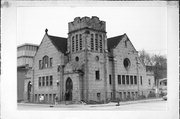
(69, 88)
(29, 90)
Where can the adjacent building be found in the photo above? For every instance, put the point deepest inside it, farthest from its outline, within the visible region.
(25, 55)
(86, 66)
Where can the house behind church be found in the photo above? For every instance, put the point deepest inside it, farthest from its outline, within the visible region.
(86, 66)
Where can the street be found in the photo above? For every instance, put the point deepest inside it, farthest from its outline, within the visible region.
(159, 105)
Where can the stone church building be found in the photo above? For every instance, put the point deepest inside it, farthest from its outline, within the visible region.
(86, 66)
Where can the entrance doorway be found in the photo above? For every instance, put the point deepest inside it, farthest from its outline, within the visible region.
(29, 90)
(69, 88)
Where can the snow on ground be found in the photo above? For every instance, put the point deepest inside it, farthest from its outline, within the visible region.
(156, 105)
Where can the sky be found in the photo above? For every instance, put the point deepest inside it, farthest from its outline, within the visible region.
(146, 27)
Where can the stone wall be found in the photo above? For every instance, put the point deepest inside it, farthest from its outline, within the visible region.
(136, 68)
(47, 48)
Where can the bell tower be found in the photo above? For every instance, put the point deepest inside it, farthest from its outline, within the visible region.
(87, 48)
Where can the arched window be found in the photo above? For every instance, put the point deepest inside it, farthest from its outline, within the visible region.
(45, 61)
(92, 41)
(80, 42)
(73, 44)
(77, 40)
(100, 42)
(96, 42)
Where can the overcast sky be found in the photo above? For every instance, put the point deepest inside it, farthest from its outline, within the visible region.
(146, 27)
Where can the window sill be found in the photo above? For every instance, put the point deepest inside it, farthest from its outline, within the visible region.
(44, 86)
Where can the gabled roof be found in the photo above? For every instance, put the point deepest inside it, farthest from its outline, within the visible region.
(114, 41)
(59, 42)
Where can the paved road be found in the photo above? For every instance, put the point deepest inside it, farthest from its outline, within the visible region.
(155, 105)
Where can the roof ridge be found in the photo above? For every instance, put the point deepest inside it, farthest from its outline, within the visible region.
(56, 36)
(114, 41)
(59, 42)
(117, 36)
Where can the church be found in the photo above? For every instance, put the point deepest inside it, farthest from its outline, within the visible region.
(86, 66)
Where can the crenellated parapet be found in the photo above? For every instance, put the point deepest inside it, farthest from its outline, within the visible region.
(86, 22)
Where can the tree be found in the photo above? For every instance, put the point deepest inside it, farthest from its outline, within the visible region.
(158, 62)
(145, 58)
(160, 67)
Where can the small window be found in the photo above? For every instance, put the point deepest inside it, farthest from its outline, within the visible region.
(39, 96)
(127, 79)
(97, 75)
(141, 80)
(39, 81)
(51, 62)
(125, 43)
(136, 94)
(50, 97)
(119, 79)
(120, 95)
(51, 80)
(54, 95)
(135, 79)
(131, 79)
(123, 79)
(47, 81)
(77, 59)
(110, 79)
(99, 96)
(43, 81)
(97, 58)
(129, 94)
(40, 64)
(124, 94)
(36, 98)
(149, 81)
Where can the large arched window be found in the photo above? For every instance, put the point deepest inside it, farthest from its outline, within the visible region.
(45, 61)
(73, 44)
(100, 42)
(80, 42)
(92, 41)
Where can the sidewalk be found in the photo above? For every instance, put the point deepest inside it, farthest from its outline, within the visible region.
(92, 105)
(128, 102)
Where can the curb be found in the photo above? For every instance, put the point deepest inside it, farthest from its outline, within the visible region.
(127, 103)
(96, 105)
